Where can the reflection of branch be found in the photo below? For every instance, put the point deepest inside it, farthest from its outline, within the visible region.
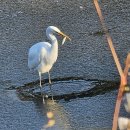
(123, 74)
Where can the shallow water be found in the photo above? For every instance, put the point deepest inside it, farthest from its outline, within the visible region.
(93, 111)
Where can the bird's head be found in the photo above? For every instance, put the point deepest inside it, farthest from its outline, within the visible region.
(54, 29)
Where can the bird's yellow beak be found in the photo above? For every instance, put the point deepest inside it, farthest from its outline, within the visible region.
(61, 33)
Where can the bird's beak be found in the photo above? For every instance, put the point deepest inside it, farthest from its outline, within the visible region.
(61, 33)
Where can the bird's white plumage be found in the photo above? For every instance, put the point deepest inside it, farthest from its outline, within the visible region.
(43, 55)
(38, 57)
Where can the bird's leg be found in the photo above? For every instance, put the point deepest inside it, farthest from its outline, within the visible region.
(41, 87)
(50, 86)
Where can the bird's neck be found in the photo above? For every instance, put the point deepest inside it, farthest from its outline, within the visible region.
(54, 47)
(53, 40)
(52, 37)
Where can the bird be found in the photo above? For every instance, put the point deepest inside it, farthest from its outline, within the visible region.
(43, 55)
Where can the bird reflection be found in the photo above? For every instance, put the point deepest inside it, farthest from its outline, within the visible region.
(60, 114)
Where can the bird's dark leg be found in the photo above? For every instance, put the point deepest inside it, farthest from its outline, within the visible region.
(41, 87)
(50, 86)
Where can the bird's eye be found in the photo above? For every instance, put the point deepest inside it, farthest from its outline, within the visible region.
(56, 33)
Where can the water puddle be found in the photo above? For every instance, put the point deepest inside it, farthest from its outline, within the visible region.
(66, 88)
(79, 104)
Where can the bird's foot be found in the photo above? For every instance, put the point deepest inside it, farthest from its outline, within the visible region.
(44, 97)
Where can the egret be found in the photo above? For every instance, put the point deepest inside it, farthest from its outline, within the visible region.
(43, 55)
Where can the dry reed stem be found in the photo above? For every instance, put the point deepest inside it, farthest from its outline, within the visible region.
(109, 39)
(123, 75)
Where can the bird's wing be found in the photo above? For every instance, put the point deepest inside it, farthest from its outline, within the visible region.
(37, 54)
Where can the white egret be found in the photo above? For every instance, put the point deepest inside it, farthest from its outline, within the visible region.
(43, 55)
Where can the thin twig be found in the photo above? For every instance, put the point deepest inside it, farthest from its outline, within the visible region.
(109, 39)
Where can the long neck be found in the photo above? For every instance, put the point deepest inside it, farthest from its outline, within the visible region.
(54, 47)
(54, 41)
